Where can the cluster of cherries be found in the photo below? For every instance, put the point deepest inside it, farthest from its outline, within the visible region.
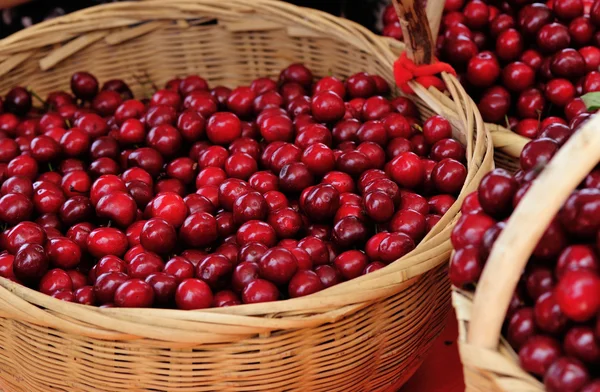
(553, 320)
(200, 197)
(520, 60)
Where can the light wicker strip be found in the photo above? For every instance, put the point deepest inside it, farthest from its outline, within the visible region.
(362, 335)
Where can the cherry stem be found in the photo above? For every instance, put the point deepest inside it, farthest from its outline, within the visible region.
(36, 96)
(50, 167)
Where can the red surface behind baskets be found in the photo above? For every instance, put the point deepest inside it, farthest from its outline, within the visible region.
(442, 370)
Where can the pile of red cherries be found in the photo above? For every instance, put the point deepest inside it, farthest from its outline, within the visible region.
(553, 319)
(198, 197)
(521, 61)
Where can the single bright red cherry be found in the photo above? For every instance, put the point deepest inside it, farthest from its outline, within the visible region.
(578, 294)
(351, 263)
(509, 45)
(23, 233)
(107, 241)
(55, 280)
(406, 170)
(260, 290)
(223, 128)
(576, 257)
(392, 246)
(63, 253)
(158, 236)
(134, 293)
(518, 76)
(304, 283)
(144, 264)
(327, 106)
(193, 294)
(278, 265)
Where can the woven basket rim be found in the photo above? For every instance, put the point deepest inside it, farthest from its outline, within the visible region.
(395, 277)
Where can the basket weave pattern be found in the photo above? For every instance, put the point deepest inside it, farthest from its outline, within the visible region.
(361, 335)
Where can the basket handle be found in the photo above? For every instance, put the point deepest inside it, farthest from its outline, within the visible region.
(524, 229)
(420, 23)
(434, 10)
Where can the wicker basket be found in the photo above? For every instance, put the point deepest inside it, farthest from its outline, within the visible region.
(490, 364)
(369, 334)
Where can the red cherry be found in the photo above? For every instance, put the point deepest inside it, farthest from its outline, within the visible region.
(193, 294)
(568, 9)
(449, 176)
(379, 206)
(106, 241)
(106, 285)
(15, 207)
(591, 57)
(327, 106)
(537, 153)
(304, 283)
(260, 290)
(509, 45)
(406, 170)
(118, 207)
(85, 295)
(553, 37)
(144, 264)
(520, 327)
(577, 257)
(517, 76)
(170, 207)
(361, 85)
(110, 264)
(63, 253)
(577, 294)
(538, 353)
(223, 128)
(256, 231)
(470, 229)
(566, 374)
(158, 236)
(134, 293)
(84, 85)
(465, 266)
(23, 233)
(55, 280)
(351, 263)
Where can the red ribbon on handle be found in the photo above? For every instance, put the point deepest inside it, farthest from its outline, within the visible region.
(406, 70)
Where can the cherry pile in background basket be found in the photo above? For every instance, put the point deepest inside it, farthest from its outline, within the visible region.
(203, 197)
(552, 321)
(521, 61)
